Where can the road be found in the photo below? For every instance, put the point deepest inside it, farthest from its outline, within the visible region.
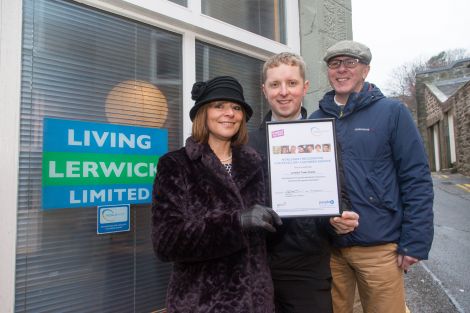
(442, 283)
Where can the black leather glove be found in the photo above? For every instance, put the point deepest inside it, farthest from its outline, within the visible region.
(259, 216)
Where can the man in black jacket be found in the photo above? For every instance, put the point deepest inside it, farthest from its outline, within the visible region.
(300, 250)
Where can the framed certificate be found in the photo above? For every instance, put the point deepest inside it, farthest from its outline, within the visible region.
(303, 168)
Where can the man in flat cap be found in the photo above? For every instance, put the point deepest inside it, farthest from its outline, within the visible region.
(388, 182)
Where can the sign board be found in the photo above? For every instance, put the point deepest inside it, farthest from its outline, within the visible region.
(303, 168)
(92, 164)
(113, 219)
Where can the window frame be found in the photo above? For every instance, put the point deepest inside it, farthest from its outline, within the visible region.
(193, 25)
(187, 21)
(10, 86)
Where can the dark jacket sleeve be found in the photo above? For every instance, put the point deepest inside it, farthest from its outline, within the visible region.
(416, 188)
(257, 140)
(183, 232)
(345, 202)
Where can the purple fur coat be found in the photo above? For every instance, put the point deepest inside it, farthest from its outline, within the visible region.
(218, 267)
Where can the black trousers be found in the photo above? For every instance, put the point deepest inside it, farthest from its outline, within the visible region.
(303, 296)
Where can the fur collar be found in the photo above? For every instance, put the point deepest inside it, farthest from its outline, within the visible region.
(246, 162)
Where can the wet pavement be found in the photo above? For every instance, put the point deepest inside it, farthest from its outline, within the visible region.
(425, 294)
(442, 283)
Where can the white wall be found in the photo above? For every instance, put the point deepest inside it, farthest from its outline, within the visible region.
(10, 74)
(453, 154)
(437, 160)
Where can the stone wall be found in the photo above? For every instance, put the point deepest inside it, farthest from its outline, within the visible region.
(455, 70)
(421, 112)
(322, 24)
(433, 108)
(460, 101)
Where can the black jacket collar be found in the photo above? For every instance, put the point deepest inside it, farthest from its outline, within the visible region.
(269, 116)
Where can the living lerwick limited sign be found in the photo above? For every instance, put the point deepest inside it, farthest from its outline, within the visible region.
(92, 164)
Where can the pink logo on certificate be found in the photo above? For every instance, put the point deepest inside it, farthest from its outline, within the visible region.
(277, 133)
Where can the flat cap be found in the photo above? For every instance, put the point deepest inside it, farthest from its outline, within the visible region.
(350, 48)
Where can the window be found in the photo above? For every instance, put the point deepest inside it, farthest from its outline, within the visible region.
(262, 17)
(180, 2)
(80, 62)
(84, 64)
(213, 61)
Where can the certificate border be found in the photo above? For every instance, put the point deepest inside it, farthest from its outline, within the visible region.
(338, 184)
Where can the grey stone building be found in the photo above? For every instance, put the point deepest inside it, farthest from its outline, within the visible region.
(322, 23)
(443, 106)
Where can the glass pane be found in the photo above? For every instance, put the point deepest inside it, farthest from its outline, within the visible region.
(213, 61)
(180, 2)
(84, 64)
(262, 17)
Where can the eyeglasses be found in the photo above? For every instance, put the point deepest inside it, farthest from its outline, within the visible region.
(348, 63)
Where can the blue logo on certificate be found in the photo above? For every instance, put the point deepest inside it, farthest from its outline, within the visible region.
(113, 219)
(326, 203)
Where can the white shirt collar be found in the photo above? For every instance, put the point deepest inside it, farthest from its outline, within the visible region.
(273, 119)
(337, 103)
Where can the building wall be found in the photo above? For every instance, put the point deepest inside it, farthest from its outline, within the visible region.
(421, 113)
(433, 108)
(433, 117)
(322, 23)
(460, 101)
(455, 70)
(10, 78)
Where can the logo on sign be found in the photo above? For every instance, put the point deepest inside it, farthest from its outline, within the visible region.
(114, 215)
(277, 133)
(113, 219)
(326, 203)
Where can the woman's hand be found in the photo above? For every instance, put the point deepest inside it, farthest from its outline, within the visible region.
(259, 216)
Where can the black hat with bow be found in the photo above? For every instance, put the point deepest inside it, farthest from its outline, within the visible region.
(219, 88)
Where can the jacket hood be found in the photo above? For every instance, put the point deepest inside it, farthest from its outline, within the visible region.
(356, 101)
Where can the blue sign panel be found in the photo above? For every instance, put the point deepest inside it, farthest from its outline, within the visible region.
(87, 137)
(86, 196)
(93, 164)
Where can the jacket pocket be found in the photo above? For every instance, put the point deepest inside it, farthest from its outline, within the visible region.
(382, 198)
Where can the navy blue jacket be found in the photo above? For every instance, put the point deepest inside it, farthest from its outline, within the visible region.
(386, 172)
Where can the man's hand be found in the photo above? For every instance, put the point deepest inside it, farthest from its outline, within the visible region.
(347, 222)
(405, 261)
(259, 216)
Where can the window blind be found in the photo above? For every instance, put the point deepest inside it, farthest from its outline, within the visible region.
(262, 17)
(80, 63)
(180, 2)
(214, 61)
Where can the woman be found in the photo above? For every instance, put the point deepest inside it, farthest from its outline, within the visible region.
(206, 217)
